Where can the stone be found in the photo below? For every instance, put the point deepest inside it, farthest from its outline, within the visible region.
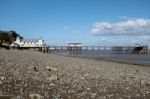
(93, 96)
(127, 88)
(51, 69)
(35, 96)
(19, 97)
(3, 78)
(51, 73)
(52, 84)
(1, 82)
(142, 82)
(132, 77)
(52, 77)
(35, 69)
(88, 89)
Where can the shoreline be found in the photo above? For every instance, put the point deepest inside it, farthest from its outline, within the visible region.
(24, 74)
(109, 60)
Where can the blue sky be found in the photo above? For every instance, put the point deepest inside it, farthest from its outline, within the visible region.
(91, 22)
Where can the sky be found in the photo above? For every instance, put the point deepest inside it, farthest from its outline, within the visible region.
(90, 22)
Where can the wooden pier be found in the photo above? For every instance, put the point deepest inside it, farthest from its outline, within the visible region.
(110, 49)
(78, 49)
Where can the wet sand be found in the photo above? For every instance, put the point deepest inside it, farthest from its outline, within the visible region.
(28, 73)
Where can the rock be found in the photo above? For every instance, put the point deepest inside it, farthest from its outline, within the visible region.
(52, 84)
(1, 82)
(93, 96)
(88, 89)
(35, 96)
(35, 69)
(19, 97)
(82, 78)
(52, 77)
(127, 88)
(147, 92)
(111, 95)
(69, 91)
(50, 69)
(142, 82)
(3, 78)
(51, 73)
(132, 77)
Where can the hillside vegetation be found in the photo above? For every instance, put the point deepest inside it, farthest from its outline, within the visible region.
(8, 37)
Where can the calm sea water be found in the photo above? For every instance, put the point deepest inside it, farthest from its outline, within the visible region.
(136, 58)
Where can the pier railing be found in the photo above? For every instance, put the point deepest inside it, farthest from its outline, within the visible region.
(96, 49)
(91, 49)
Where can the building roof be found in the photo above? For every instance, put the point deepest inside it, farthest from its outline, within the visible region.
(74, 43)
(31, 40)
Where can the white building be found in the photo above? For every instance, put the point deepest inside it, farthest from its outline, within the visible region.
(74, 44)
(29, 42)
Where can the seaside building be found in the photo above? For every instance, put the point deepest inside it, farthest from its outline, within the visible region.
(29, 42)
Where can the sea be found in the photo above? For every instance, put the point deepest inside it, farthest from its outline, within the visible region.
(139, 59)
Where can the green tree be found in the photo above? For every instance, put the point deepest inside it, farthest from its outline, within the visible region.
(4, 37)
(8, 36)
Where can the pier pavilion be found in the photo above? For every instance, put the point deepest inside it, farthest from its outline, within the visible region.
(74, 48)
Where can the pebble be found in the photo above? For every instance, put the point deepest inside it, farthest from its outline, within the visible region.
(52, 84)
(52, 77)
(35, 96)
(92, 80)
(142, 82)
(3, 78)
(1, 82)
(88, 89)
(93, 96)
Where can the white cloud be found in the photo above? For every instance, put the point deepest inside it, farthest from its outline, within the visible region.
(138, 27)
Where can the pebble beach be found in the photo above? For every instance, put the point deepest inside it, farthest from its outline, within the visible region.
(26, 74)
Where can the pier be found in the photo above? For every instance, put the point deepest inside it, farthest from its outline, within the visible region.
(76, 48)
(97, 49)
